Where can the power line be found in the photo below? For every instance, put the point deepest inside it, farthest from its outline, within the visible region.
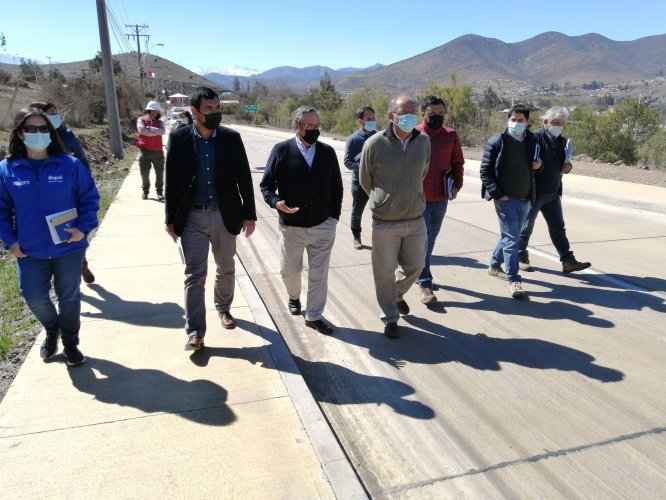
(118, 31)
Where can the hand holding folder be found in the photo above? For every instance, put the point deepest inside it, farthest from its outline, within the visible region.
(60, 221)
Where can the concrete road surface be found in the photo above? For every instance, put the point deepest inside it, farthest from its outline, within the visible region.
(561, 395)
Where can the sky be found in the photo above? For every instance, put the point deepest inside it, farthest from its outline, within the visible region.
(244, 37)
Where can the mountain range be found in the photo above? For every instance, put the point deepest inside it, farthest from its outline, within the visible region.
(547, 58)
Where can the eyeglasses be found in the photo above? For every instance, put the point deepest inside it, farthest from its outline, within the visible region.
(309, 126)
(33, 129)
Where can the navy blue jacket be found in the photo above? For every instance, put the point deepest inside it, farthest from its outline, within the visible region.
(552, 154)
(72, 145)
(492, 163)
(27, 197)
(353, 148)
(316, 190)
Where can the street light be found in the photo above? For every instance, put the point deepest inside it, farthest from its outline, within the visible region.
(141, 72)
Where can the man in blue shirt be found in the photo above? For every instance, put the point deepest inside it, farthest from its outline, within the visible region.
(209, 200)
(352, 159)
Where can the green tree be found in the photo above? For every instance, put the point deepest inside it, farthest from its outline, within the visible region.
(345, 115)
(30, 70)
(236, 84)
(95, 64)
(324, 98)
(652, 153)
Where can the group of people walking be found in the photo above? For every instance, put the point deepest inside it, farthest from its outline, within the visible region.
(406, 174)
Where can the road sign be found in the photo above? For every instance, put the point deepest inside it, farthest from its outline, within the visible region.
(251, 109)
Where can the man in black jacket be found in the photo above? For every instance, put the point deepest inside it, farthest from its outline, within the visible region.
(303, 182)
(507, 177)
(209, 200)
(555, 158)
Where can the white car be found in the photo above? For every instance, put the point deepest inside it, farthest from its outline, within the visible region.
(173, 121)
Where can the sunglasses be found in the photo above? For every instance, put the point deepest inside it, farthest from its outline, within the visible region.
(33, 129)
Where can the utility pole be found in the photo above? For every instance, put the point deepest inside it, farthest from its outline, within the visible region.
(109, 82)
(50, 73)
(137, 34)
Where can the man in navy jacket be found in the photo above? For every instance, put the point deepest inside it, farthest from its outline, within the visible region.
(303, 182)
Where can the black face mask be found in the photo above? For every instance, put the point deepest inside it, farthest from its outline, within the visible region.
(212, 120)
(311, 136)
(435, 121)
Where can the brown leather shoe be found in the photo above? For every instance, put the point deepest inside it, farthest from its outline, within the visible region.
(357, 243)
(194, 343)
(228, 320)
(86, 273)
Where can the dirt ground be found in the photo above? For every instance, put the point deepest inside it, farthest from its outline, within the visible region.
(582, 165)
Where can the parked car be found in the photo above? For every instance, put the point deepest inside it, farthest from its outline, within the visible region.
(173, 121)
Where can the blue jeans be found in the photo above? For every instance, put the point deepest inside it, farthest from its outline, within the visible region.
(433, 215)
(34, 276)
(510, 214)
(550, 205)
(359, 200)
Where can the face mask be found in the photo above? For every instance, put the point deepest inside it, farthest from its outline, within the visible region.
(370, 125)
(435, 121)
(555, 130)
(311, 136)
(407, 122)
(38, 141)
(55, 120)
(516, 128)
(212, 120)
(184, 120)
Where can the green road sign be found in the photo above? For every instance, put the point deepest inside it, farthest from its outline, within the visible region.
(251, 109)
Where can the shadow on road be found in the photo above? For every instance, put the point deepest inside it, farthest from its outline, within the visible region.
(113, 307)
(153, 391)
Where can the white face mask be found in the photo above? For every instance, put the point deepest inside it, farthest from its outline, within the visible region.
(516, 128)
(555, 130)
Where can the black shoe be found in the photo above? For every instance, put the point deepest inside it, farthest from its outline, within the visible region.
(144, 196)
(49, 346)
(160, 197)
(391, 330)
(569, 266)
(295, 306)
(320, 325)
(403, 308)
(74, 356)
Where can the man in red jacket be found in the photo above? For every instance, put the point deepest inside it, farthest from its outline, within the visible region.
(149, 141)
(443, 180)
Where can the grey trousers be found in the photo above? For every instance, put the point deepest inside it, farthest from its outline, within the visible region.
(204, 229)
(156, 159)
(398, 253)
(318, 242)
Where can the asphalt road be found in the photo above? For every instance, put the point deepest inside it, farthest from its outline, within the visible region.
(559, 395)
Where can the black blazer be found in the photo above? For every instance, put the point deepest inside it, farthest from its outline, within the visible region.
(316, 190)
(233, 179)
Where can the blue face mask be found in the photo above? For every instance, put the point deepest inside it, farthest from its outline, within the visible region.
(55, 120)
(516, 128)
(38, 141)
(407, 122)
(370, 125)
(184, 120)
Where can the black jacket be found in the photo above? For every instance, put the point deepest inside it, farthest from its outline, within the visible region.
(233, 179)
(552, 156)
(492, 162)
(316, 190)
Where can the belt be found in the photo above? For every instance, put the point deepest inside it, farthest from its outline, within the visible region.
(205, 208)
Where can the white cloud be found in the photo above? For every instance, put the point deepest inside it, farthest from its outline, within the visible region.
(226, 70)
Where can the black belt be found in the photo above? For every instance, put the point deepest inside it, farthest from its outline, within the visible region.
(205, 208)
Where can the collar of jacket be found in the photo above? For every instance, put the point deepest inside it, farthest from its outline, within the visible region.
(390, 133)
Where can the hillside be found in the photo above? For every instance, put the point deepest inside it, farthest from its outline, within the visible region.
(549, 57)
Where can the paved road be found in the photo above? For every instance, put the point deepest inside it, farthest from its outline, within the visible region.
(559, 395)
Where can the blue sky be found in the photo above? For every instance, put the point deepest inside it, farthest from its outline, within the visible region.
(266, 34)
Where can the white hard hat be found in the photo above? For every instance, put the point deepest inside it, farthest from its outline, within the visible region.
(153, 106)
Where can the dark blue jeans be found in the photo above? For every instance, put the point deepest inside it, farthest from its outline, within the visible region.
(34, 276)
(510, 215)
(433, 215)
(359, 200)
(550, 205)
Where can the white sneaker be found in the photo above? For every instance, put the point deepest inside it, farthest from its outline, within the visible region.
(516, 289)
(427, 297)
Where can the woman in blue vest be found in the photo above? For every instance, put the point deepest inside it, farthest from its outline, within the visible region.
(37, 181)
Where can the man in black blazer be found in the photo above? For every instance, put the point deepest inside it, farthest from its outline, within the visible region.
(302, 181)
(209, 200)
